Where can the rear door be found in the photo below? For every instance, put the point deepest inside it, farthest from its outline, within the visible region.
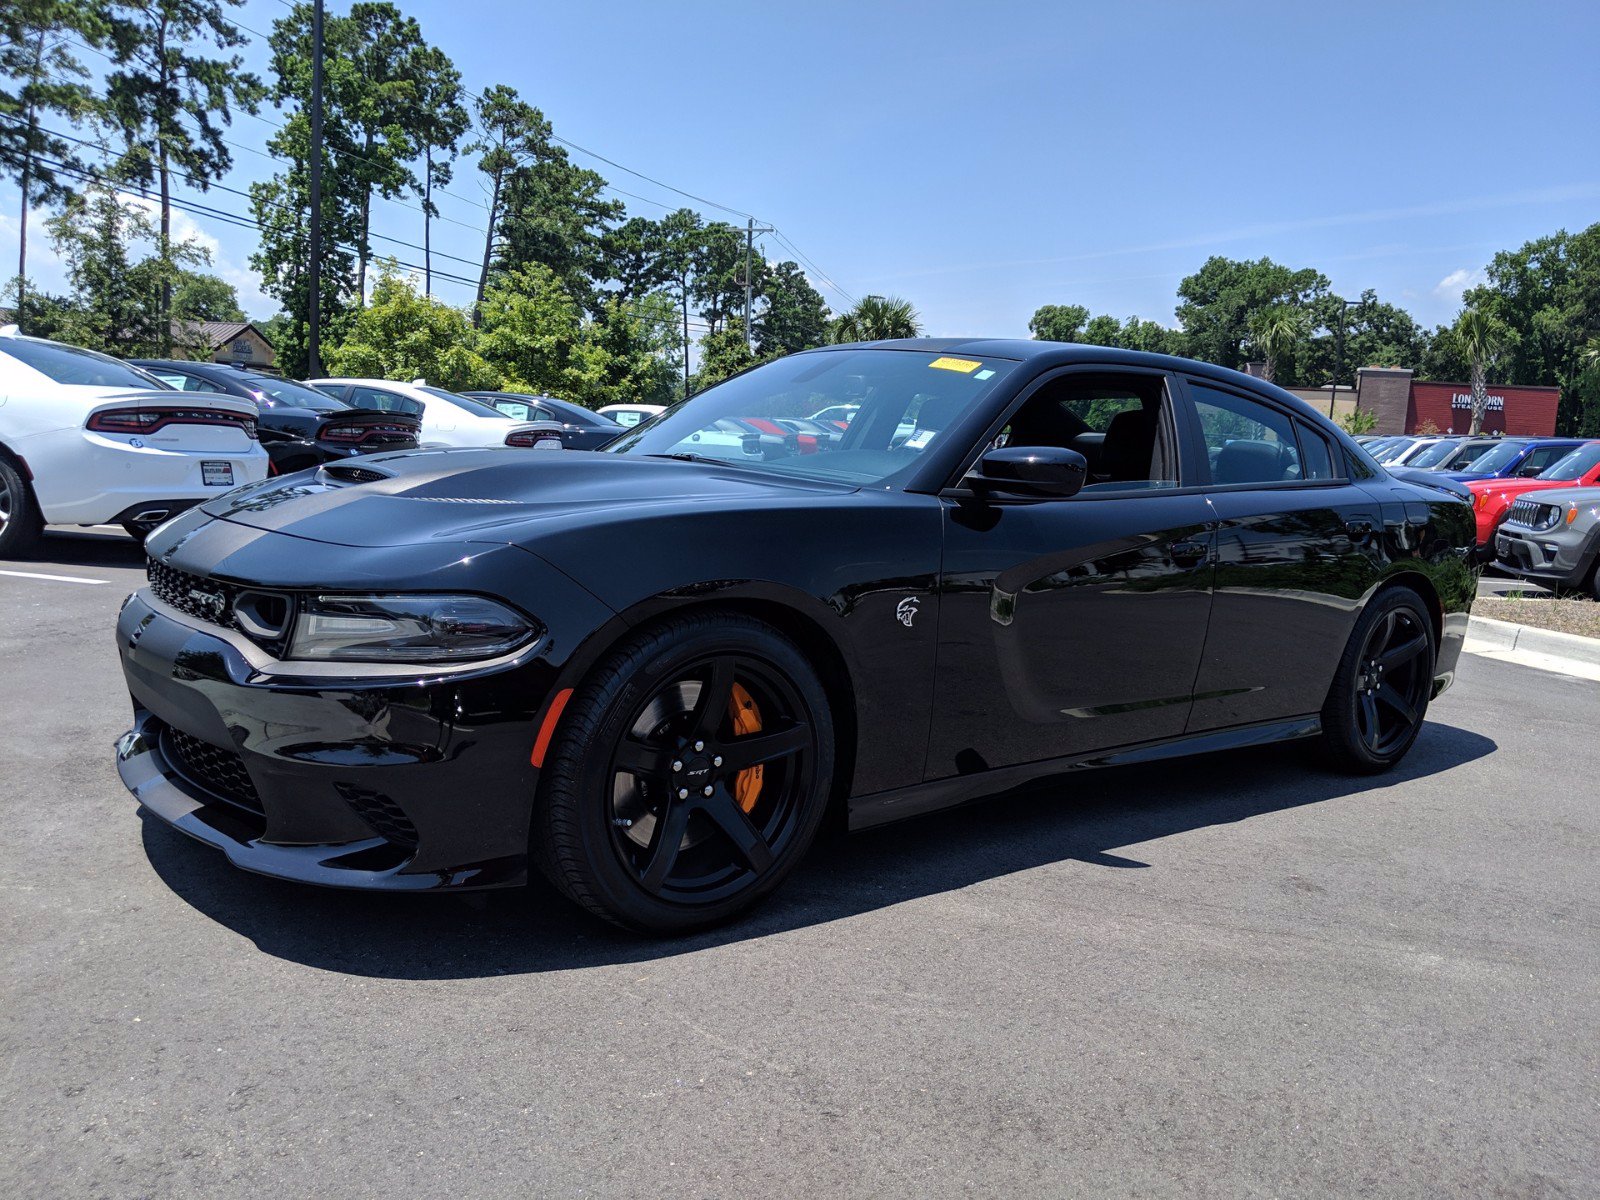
(1298, 543)
(1073, 625)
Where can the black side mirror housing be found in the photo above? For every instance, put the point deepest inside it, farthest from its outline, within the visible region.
(1035, 471)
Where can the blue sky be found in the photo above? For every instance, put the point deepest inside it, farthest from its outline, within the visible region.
(982, 160)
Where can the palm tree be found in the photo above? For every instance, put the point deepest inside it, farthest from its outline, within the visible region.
(1275, 332)
(877, 317)
(1480, 338)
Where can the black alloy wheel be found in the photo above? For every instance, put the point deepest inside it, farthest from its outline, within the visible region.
(689, 775)
(1378, 700)
(20, 525)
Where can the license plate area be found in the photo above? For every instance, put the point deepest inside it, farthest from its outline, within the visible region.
(216, 474)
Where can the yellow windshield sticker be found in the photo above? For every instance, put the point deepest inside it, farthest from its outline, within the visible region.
(965, 365)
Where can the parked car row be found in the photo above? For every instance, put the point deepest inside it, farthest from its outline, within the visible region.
(1503, 475)
(87, 439)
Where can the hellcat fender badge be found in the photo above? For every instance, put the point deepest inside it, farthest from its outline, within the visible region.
(906, 610)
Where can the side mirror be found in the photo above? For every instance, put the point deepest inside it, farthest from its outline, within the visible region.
(1051, 471)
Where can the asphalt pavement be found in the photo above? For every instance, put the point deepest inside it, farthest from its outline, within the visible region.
(1234, 976)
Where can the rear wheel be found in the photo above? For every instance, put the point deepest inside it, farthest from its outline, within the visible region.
(689, 775)
(20, 523)
(1380, 693)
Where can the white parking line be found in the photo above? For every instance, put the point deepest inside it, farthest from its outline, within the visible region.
(53, 578)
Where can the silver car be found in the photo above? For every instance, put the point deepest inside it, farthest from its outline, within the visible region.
(1553, 537)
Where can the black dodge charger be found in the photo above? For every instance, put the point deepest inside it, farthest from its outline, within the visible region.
(648, 671)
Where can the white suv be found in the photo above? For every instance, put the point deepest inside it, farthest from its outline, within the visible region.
(88, 440)
(448, 419)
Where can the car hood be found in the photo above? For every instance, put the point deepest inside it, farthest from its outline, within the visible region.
(491, 494)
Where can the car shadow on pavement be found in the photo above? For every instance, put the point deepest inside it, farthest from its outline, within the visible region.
(88, 548)
(1089, 816)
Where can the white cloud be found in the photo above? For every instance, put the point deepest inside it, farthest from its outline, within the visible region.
(185, 230)
(1458, 281)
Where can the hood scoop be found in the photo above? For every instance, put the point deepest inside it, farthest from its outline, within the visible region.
(345, 474)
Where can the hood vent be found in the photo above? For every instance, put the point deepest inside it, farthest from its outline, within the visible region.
(342, 474)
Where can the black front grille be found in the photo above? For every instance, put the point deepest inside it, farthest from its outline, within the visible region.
(203, 598)
(1532, 514)
(382, 813)
(221, 772)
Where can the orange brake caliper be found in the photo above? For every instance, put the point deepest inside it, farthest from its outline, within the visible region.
(746, 719)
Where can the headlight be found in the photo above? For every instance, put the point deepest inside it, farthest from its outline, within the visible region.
(419, 629)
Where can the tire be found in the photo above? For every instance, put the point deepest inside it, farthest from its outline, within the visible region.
(663, 814)
(137, 532)
(20, 522)
(1381, 689)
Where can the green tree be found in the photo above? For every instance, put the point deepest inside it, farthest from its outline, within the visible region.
(793, 315)
(874, 318)
(681, 232)
(1276, 332)
(1059, 323)
(171, 102)
(636, 257)
(723, 353)
(719, 257)
(442, 122)
(556, 216)
(1546, 294)
(1217, 302)
(1481, 338)
(402, 334)
(511, 135)
(114, 299)
(197, 296)
(635, 348)
(529, 325)
(41, 79)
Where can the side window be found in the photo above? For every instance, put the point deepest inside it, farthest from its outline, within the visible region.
(1246, 441)
(1315, 460)
(366, 397)
(1121, 423)
(1541, 458)
(535, 413)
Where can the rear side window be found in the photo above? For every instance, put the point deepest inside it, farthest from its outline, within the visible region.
(1316, 462)
(1540, 459)
(184, 383)
(1246, 441)
(72, 365)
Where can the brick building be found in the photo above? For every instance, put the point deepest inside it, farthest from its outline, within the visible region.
(1405, 405)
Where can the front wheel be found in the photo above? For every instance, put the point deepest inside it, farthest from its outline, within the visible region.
(689, 775)
(20, 523)
(1380, 692)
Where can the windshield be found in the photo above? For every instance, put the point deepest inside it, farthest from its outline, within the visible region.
(1575, 465)
(291, 394)
(1394, 449)
(1434, 455)
(1501, 457)
(476, 407)
(902, 400)
(73, 365)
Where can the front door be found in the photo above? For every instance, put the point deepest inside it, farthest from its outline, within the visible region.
(1074, 625)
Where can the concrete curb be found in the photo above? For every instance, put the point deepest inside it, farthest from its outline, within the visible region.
(1566, 653)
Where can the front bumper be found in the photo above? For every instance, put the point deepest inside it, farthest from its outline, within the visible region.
(1555, 556)
(409, 784)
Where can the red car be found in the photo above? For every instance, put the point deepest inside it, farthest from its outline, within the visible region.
(1493, 497)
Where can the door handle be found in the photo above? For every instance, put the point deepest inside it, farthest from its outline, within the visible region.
(1358, 529)
(1188, 554)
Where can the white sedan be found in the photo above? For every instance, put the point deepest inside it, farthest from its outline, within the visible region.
(88, 440)
(629, 415)
(448, 419)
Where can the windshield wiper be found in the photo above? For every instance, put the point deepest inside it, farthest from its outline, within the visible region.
(695, 458)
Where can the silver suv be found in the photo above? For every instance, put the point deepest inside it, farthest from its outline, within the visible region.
(1553, 537)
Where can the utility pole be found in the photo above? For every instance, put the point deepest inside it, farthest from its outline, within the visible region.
(314, 268)
(750, 231)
